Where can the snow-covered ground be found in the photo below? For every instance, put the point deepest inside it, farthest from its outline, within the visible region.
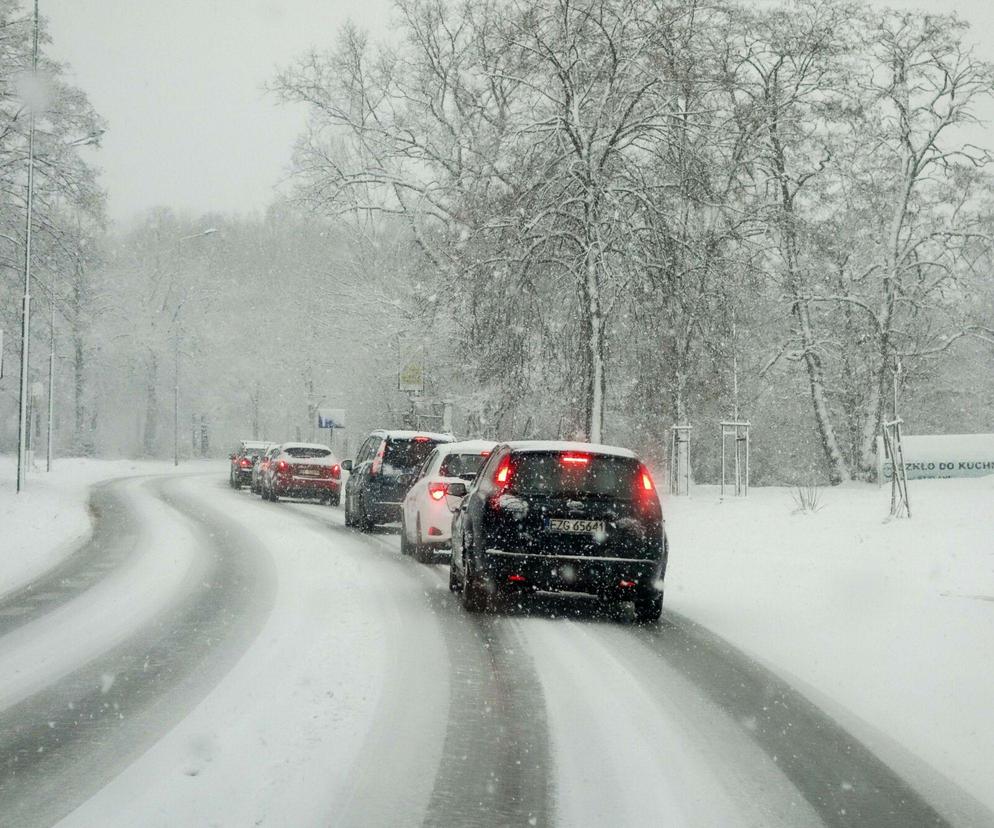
(891, 622)
(50, 518)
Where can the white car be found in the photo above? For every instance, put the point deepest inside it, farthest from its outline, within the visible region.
(426, 516)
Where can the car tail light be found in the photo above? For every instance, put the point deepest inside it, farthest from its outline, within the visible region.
(378, 460)
(421, 439)
(575, 459)
(645, 492)
(336, 471)
(502, 477)
(484, 454)
(246, 462)
(626, 584)
(437, 490)
(282, 466)
(434, 532)
(516, 579)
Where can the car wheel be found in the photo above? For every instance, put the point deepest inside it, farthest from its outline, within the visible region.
(422, 551)
(334, 499)
(454, 584)
(349, 521)
(362, 519)
(236, 484)
(474, 593)
(405, 544)
(648, 608)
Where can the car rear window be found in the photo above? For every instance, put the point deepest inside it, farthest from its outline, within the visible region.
(574, 474)
(301, 452)
(461, 465)
(403, 456)
(253, 452)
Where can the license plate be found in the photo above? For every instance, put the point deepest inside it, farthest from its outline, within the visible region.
(577, 526)
(308, 472)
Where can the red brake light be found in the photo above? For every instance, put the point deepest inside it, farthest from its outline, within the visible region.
(575, 459)
(647, 484)
(437, 490)
(282, 466)
(246, 462)
(421, 439)
(516, 578)
(503, 474)
(484, 454)
(336, 471)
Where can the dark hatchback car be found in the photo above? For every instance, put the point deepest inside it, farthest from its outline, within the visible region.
(381, 474)
(557, 516)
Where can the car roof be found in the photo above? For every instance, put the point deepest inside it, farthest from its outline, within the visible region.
(437, 436)
(284, 446)
(522, 446)
(467, 447)
(255, 444)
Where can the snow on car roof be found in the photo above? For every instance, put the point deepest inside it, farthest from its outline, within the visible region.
(305, 445)
(467, 447)
(410, 435)
(256, 443)
(568, 445)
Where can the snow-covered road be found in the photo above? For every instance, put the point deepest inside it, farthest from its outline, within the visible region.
(207, 658)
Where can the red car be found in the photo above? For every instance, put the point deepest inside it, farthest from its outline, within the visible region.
(303, 470)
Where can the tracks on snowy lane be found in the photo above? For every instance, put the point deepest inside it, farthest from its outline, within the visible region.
(64, 741)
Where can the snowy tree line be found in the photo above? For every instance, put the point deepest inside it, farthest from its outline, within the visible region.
(600, 217)
(619, 204)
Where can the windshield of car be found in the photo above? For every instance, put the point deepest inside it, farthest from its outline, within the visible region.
(461, 465)
(307, 451)
(403, 455)
(574, 474)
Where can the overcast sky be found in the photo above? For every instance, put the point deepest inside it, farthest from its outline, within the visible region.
(181, 84)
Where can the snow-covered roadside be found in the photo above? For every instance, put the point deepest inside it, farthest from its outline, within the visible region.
(892, 621)
(44, 523)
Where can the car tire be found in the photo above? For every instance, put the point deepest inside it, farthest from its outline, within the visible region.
(349, 521)
(648, 608)
(474, 593)
(362, 520)
(236, 485)
(454, 584)
(405, 544)
(334, 499)
(422, 551)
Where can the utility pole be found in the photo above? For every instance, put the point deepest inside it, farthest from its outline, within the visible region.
(22, 426)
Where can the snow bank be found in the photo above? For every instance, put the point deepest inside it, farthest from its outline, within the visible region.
(891, 620)
(49, 519)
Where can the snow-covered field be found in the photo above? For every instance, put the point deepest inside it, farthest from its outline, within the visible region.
(888, 621)
(50, 518)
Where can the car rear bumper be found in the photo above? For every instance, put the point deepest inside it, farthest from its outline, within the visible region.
(306, 487)
(243, 475)
(607, 576)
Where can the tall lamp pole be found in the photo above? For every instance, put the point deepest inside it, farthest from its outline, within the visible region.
(22, 426)
(210, 231)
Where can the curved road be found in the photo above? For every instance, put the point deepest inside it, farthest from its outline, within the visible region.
(209, 658)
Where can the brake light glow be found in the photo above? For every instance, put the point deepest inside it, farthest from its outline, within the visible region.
(421, 439)
(378, 460)
(517, 579)
(282, 466)
(626, 583)
(484, 454)
(437, 490)
(246, 462)
(503, 472)
(575, 459)
(647, 484)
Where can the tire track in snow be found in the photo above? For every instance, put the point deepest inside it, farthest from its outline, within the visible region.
(496, 766)
(844, 782)
(62, 744)
(115, 534)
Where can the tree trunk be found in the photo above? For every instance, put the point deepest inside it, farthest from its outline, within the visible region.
(594, 329)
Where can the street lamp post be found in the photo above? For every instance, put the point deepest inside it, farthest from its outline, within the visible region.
(22, 426)
(210, 231)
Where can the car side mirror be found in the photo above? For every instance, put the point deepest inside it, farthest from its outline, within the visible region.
(346, 465)
(457, 490)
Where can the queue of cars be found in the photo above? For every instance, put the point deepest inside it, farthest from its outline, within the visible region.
(518, 516)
